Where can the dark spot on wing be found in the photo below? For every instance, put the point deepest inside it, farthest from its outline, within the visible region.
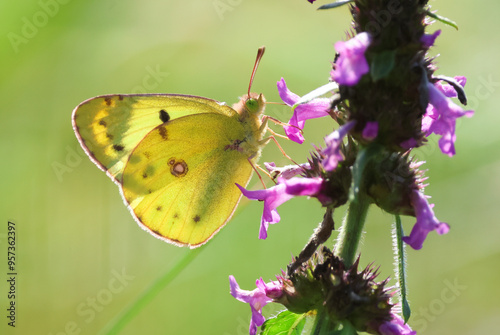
(118, 147)
(108, 101)
(164, 116)
(102, 123)
(139, 218)
(109, 136)
(159, 208)
(120, 97)
(134, 159)
(144, 175)
(176, 216)
(150, 191)
(147, 154)
(163, 132)
(196, 218)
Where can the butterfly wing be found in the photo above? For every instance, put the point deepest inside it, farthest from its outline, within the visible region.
(109, 127)
(179, 181)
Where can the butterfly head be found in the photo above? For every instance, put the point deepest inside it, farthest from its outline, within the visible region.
(252, 104)
(255, 103)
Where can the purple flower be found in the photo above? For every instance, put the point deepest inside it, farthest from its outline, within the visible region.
(258, 298)
(427, 40)
(333, 145)
(313, 109)
(351, 64)
(426, 221)
(311, 1)
(371, 131)
(287, 171)
(279, 194)
(441, 114)
(409, 143)
(395, 327)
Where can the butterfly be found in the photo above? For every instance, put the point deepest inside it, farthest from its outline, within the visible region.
(176, 158)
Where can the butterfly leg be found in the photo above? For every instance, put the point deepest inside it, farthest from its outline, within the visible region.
(267, 139)
(255, 167)
(265, 120)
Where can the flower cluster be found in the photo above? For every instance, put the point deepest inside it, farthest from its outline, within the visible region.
(387, 101)
(325, 283)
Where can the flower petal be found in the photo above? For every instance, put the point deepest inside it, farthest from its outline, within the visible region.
(395, 327)
(351, 64)
(272, 197)
(370, 131)
(440, 117)
(426, 221)
(287, 171)
(427, 40)
(286, 95)
(304, 186)
(313, 109)
(257, 298)
(333, 144)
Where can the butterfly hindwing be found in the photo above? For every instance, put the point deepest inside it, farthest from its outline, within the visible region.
(180, 179)
(109, 127)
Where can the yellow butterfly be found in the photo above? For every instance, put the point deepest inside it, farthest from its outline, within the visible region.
(176, 158)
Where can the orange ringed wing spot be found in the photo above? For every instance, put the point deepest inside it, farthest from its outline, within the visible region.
(178, 167)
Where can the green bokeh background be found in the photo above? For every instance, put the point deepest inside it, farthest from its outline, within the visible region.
(74, 233)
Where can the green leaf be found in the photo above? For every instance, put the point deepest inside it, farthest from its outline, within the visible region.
(401, 270)
(335, 4)
(285, 323)
(382, 64)
(442, 19)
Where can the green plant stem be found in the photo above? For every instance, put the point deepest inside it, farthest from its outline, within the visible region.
(352, 228)
(117, 324)
(323, 324)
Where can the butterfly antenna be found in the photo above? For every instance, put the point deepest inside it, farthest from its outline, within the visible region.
(260, 53)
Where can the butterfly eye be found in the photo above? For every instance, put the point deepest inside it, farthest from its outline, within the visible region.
(252, 105)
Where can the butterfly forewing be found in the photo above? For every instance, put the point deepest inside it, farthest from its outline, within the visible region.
(109, 127)
(180, 179)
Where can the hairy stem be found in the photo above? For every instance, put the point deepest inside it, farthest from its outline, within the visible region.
(352, 228)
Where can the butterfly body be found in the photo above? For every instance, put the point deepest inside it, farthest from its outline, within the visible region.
(176, 158)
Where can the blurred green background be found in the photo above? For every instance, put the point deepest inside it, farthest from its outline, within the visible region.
(74, 235)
